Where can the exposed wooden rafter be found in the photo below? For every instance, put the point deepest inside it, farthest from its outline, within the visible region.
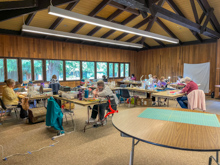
(59, 19)
(177, 10)
(213, 20)
(122, 7)
(42, 4)
(146, 20)
(127, 20)
(210, 13)
(110, 18)
(195, 11)
(92, 14)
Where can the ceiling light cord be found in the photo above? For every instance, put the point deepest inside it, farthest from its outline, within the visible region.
(51, 3)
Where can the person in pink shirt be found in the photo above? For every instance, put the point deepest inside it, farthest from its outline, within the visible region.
(190, 86)
(133, 77)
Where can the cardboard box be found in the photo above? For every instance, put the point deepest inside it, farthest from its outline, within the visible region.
(146, 102)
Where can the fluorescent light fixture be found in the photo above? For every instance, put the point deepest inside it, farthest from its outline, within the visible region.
(98, 22)
(50, 32)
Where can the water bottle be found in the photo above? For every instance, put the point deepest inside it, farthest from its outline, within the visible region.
(86, 93)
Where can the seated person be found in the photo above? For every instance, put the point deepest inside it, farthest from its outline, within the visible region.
(190, 86)
(101, 91)
(104, 78)
(9, 97)
(54, 84)
(161, 83)
(180, 80)
(133, 77)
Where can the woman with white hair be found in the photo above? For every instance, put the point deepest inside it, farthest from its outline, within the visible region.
(190, 86)
(102, 90)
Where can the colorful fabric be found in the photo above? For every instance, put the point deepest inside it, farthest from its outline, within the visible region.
(54, 116)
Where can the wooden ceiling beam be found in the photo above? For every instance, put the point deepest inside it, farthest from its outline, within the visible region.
(143, 22)
(127, 20)
(210, 13)
(42, 4)
(150, 24)
(202, 17)
(59, 19)
(30, 18)
(178, 11)
(110, 18)
(122, 7)
(11, 5)
(161, 43)
(194, 11)
(206, 7)
(92, 14)
(160, 22)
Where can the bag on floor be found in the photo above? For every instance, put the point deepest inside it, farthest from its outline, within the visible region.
(36, 115)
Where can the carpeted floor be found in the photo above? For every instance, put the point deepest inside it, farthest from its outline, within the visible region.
(97, 146)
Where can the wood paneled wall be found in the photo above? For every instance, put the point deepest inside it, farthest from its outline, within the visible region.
(217, 79)
(24, 47)
(169, 61)
(161, 62)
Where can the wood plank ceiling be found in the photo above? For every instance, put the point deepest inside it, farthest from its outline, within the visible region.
(202, 12)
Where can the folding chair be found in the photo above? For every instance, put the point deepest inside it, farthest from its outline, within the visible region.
(4, 109)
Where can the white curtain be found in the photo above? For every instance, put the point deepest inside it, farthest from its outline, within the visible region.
(199, 73)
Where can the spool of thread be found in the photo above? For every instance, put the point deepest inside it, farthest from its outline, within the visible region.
(86, 93)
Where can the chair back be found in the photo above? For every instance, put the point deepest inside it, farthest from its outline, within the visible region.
(2, 104)
(124, 93)
(123, 85)
(196, 99)
(55, 87)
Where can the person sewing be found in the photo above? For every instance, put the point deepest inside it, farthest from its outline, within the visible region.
(190, 86)
(54, 84)
(133, 77)
(9, 97)
(161, 83)
(102, 90)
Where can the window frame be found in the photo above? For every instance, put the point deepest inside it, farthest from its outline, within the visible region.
(80, 70)
(1, 82)
(128, 69)
(31, 68)
(97, 68)
(18, 68)
(64, 72)
(94, 69)
(42, 70)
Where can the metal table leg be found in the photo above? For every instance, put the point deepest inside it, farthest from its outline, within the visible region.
(132, 151)
(215, 159)
(88, 108)
(168, 100)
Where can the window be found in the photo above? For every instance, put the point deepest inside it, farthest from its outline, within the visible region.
(72, 70)
(12, 69)
(54, 67)
(111, 70)
(38, 70)
(26, 70)
(127, 70)
(2, 75)
(101, 69)
(116, 70)
(88, 70)
(122, 70)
